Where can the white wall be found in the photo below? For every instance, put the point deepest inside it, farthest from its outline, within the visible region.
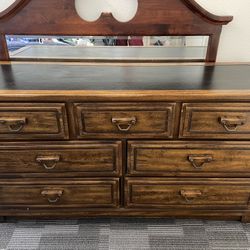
(235, 39)
(5, 4)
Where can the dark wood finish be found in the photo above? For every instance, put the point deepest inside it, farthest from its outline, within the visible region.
(33, 121)
(4, 54)
(213, 46)
(39, 213)
(56, 101)
(61, 159)
(129, 81)
(246, 218)
(214, 214)
(59, 193)
(205, 14)
(154, 17)
(187, 193)
(13, 8)
(194, 159)
(124, 120)
(213, 120)
(54, 172)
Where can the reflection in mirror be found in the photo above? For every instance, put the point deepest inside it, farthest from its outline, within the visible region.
(109, 48)
(5, 4)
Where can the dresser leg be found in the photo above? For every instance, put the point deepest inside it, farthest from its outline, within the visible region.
(2, 219)
(246, 218)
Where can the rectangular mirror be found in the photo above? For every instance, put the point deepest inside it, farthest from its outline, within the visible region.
(107, 48)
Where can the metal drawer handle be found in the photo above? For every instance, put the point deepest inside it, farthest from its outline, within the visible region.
(198, 161)
(231, 124)
(52, 195)
(48, 162)
(124, 124)
(190, 195)
(14, 124)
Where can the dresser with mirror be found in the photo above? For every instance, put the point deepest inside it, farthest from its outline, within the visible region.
(106, 113)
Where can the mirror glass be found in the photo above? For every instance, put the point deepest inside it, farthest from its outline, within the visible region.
(109, 48)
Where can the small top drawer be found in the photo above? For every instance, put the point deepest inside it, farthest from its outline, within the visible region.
(33, 121)
(129, 120)
(215, 120)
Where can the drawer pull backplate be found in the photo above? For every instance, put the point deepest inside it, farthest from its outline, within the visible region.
(48, 162)
(231, 124)
(198, 161)
(190, 195)
(14, 124)
(52, 195)
(124, 124)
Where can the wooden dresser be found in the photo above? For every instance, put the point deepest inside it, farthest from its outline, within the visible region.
(140, 140)
(122, 139)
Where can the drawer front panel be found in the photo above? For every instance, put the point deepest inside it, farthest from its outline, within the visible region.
(109, 120)
(189, 193)
(87, 158)
(215, 120)
(33, 121)
(60, 193)
(157, 158)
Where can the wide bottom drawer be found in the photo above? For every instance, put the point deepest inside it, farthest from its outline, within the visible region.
(84, 193)
(200, 193)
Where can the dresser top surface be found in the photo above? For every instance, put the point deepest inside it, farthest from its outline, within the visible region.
(76, 76)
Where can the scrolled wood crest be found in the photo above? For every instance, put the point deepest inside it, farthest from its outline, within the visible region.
(13, 7)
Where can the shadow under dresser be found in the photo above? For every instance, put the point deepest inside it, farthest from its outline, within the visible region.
(141, 140)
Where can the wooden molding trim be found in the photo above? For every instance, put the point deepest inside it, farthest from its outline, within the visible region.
(192, 4)
(4, 53)
(13, 8)
(195, 7)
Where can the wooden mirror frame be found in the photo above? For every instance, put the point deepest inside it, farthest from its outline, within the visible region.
(154, 18)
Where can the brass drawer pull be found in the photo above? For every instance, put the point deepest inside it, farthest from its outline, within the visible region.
(14, 124)
(198, 161)
(48, 162)
(52, 195)
(124, 124)
(231, 124)
(190, 195)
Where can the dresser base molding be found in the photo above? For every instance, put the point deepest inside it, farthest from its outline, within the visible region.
(246, 218)
(237, 215)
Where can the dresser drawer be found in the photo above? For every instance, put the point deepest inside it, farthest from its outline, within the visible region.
(59, 193)
(129, 120)
(61, 159)
(188, 193)
(33, 121)
(215, 120)
(159, 158)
